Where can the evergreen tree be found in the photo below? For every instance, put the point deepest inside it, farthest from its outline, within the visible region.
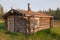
(54, 13)
(1, 11)
(57, 14)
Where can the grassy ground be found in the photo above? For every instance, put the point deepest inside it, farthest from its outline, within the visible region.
(47, 34)
(56, 23)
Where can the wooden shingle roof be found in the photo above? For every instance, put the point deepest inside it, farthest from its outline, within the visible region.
(37, 14)
(24, 12)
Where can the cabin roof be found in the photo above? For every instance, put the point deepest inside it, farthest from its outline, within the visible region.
(36, 14)
(11, 12)
(24, 12)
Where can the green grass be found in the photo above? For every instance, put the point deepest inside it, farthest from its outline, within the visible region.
(47, 34)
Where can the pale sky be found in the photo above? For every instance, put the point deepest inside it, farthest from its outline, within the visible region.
(35, 5)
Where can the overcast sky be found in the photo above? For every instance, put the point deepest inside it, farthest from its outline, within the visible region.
(35, 5)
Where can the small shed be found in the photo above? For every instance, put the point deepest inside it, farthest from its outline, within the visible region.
(27, 21)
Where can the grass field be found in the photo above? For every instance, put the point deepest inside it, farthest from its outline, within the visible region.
(47, 34)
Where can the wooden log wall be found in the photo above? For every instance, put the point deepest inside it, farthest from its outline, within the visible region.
(20, 24)
(41, 23)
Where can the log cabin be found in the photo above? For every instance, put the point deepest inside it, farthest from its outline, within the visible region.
(27, 21)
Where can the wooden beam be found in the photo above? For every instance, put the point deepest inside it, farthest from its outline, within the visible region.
(8, 22)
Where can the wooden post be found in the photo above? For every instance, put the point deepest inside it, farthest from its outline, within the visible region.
(51, 22)
(29, 24)
(14, 23)
(8, 22)
(33, 24)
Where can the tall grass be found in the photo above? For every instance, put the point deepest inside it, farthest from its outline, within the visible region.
(47, 34)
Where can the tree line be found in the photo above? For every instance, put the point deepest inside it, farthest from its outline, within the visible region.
(54, 13)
